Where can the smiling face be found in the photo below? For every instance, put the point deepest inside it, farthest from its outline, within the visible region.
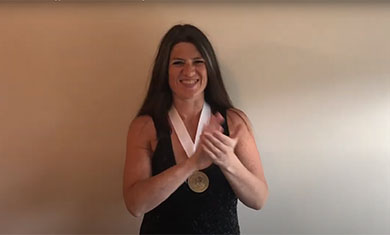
(187, 72)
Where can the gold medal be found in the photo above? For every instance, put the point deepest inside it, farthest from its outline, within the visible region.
(198, 182)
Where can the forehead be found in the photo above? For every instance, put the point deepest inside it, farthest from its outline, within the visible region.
(184, 50)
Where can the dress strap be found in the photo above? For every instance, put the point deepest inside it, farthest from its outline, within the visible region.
(224, 125)
(161, 132)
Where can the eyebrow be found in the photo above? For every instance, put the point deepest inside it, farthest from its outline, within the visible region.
(195, 58)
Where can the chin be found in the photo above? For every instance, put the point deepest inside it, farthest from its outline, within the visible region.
(190, 95)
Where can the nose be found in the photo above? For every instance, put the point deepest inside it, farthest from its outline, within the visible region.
(189, 69)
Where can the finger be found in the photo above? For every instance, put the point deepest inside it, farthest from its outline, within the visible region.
(212, 125)
(214, 145)
(216, 121)
(209, 152)
(219, 118)
(207, 129)
(226, 140)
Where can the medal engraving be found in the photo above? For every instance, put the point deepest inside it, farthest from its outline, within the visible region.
(198, 182)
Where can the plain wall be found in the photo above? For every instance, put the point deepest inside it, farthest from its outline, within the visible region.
(312, 77)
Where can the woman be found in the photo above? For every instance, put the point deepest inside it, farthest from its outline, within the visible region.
(190, 154)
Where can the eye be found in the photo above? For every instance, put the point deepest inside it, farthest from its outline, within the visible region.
(199, 62)
(177, 62)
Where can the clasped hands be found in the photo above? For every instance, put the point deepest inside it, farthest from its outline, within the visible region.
(214, 146)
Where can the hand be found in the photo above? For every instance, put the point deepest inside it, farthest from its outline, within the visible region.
(200, 158)
(215, 123)
(219, 148)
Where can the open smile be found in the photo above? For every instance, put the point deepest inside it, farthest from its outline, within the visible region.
(189, 82)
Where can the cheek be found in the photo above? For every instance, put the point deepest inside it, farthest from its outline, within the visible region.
(171, 74)
(204, 75)
(172, 78)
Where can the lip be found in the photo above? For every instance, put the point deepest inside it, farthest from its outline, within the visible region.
(189, 80)
(189, 83)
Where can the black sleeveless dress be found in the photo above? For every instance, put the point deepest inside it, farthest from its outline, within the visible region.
(186, 212)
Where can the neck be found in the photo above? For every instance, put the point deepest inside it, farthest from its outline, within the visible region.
(189, 108)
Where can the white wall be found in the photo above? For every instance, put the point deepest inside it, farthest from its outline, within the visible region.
(312, 77)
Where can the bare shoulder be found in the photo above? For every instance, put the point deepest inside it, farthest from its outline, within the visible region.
(142, 127)
(141, 122)
(237, 119)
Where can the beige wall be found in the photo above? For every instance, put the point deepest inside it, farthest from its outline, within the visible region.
(313, 78)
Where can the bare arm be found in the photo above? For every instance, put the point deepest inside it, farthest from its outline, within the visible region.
(239, 160)
(141, 191)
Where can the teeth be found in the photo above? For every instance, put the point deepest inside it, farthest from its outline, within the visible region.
(189, 82)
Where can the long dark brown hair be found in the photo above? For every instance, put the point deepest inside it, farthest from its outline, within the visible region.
(159, 96)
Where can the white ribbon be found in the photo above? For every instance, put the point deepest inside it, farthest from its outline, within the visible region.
(181, 131)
